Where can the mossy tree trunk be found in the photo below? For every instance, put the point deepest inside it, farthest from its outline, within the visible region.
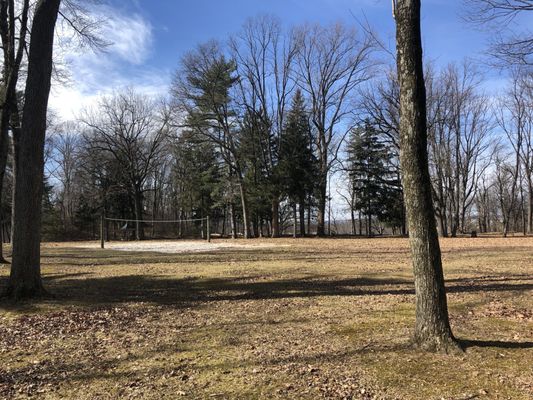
(432, 327)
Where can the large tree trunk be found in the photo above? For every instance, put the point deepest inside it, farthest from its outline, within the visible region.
(432, 327)
(25, 279)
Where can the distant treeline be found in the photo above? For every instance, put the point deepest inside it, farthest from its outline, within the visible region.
(254, 128)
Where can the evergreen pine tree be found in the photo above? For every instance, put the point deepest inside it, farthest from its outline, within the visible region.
(373, 180)
(297, 168)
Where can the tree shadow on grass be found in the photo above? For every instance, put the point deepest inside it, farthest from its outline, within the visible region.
(85, 289)
(466, 343)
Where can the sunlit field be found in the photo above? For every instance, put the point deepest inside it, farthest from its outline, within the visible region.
(285, 318)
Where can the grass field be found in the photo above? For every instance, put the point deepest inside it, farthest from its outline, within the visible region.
(294, 319)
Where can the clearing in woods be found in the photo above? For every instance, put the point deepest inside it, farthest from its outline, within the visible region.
(283, 318)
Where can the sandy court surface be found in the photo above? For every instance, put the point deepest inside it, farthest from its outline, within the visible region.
(375, 246)
(180, 246)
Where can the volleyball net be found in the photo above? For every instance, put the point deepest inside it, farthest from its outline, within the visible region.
(122, 229)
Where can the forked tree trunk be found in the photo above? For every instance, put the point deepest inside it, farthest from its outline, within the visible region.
(25, 279)
(432, 327)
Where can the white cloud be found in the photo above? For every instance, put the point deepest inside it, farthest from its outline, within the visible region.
(122, 64)
(131, 37)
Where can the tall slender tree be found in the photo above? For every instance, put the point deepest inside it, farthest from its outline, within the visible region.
(202, 92)
(331, 63)
(371, 175)
(297, 166)
(13, 45)
(432, 327)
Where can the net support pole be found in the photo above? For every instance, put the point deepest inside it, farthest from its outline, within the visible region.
(208, 229)
(102, 231)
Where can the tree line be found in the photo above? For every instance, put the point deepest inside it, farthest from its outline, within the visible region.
(254, 128)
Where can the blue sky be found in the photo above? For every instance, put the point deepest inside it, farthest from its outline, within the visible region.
(179, 25)
(150, 36)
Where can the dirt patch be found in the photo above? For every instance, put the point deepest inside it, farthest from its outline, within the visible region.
(178, 246)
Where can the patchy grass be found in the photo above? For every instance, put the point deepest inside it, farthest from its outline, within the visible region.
(299, 319)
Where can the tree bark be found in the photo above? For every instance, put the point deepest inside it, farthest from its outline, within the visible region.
(25, 278)
(275, 217)
(301, 209)
(295, 221)
(4, 150)
(13, 54)
(309, 216)
(233, 221)
(322, 198)
(432, 327)
(138, 200)
(245, 210)
(530, 206)
(443, 230)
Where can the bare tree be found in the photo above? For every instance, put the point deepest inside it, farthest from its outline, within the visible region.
(13, 45)
(265, 56)
(331, 62)
(505, 182)
(80, 27)
(484, 203)
(470, 127)
(66, 162)
(508, 46)
(380, 103)
(459, 142)
(131, 128)
(514, 118)
(432, 328)
(518, 110)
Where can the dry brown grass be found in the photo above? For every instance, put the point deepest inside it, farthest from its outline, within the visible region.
(310, 319)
